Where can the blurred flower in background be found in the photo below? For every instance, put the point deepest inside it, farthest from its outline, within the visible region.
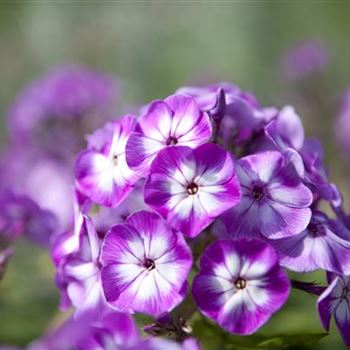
(47, 124)
(342, 126)
(305, 59)
(56, 111)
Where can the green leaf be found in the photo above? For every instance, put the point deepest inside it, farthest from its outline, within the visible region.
(287, 341)
(213, 337)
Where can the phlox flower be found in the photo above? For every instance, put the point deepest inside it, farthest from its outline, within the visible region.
(240, 284)
(275, 203)
(324, 244)
(101, 171)
(176, 121)
(144, 265)
(190, 188)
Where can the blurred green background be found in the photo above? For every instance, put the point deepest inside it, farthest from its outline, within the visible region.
(153, 48)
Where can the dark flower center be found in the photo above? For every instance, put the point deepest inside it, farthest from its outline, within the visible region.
(192, 188)
(240, 283)
(257, 193)
(316, 229)
(115, 158)
(171, 141)
(149, 264)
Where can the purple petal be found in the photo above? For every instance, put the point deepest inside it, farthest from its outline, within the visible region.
(189, 124)
(100, 180)
(122, 244)
(156, 236)
(287, 129)
(271, 220)
(141, 150)
(264, 166)
(325, 303)
(306, 252)
(282, 221)
(157, 123)
(89, 241)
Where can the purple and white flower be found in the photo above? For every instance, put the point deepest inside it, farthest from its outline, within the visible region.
(102, 173)
(324, 244)
(190, 188)
(79, 273)
(240, 284)
(176, 121)
(275, 202)
(145, 265)
(335, 300)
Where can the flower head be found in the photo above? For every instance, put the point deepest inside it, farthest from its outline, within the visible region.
(176, 121)
(101, 171)
(240, 284)
(190, 188)
(145, 265)
(275, 203)
(324, 244)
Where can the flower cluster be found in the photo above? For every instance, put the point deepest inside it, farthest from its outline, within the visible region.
(197, 206)
(207, 183)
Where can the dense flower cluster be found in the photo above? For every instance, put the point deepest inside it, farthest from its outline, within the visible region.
(207, 165)
(199, 203)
